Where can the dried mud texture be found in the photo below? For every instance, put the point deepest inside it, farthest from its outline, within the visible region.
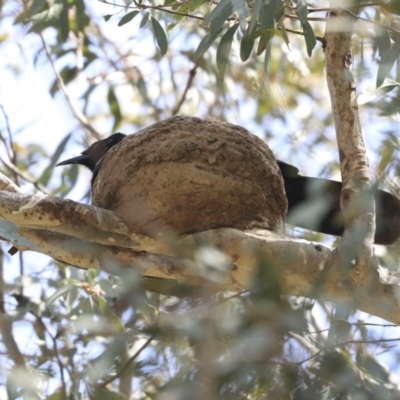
(189, 175)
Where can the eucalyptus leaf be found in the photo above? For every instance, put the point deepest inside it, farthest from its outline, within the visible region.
(205, 44)
(223, 10)
(144, 20)
(47, 173)
(370, 95)
(388, 60)
(161, 36)
(128, 17)
(224, 49)
(267, 59)
(309, 37)
(64, 20)
(254, 17)
(246, 46)
(114, 107)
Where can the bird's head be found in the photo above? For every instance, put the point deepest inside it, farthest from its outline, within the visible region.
(94, 153)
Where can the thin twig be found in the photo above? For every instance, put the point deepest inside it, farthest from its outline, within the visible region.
(9, 148)
(75, 111)
(6, 326)
(319, 38)
(58, 358)
(146, 7)
(296, 17)
(22, 175)
(192, 74)
(128, 363)
(327, 9)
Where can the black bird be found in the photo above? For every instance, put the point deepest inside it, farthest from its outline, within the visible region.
(313, 203)
(93, 155)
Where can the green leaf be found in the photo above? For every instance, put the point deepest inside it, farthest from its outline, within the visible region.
(223, 10)
(187, 7)
(67, 74)
(309, 37)
(205, 44)
(254, 17)
(160, 35)
(302, 11)
(264, 41)
(64, 20)
(144, 20)
(36, 7)
(246, 46)
(267, 15)
(309, 34)
(369, 95)
(58, 293)
(392, 6)
(114, 108)
(128, 17)
(382, 40)
(224, 49)
(387, 63)
(80, 15)
(107, 17)
(267, 58)
(374, 368)
(45, 16)
(72, 176)
(46, 175)
(285, 37)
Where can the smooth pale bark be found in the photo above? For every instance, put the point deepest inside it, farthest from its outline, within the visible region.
(356, 248)
(305, 269)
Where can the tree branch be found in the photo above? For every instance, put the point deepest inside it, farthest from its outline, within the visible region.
(89, 237)
(356, 248)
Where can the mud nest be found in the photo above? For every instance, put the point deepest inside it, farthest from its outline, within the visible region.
(189, 175)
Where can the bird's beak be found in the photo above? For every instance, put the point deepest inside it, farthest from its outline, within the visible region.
(74, 160)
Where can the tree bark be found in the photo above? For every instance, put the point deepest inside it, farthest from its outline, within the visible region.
(305, 269)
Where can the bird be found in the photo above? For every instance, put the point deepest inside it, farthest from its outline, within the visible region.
(313, 203)
(91, 157)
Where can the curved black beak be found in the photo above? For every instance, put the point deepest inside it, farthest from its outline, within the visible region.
(75, 160)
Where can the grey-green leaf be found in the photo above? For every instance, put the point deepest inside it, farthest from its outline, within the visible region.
(46, 175)
(267, 58)
(246, 46)
(223, 10)
(205, 43)
(302, 10)
(387, 62)
(80, 14)
(254, 17)
(309, 34)
(144, 20)
(128, 17)
(267, 15)
(160, 35)
(64, 20)
(114, 107)
(382, 40)
(369, 95)
(53, 12)
(224, 49)
(309, 37)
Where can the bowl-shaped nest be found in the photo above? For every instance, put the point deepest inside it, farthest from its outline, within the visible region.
(189, 175)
